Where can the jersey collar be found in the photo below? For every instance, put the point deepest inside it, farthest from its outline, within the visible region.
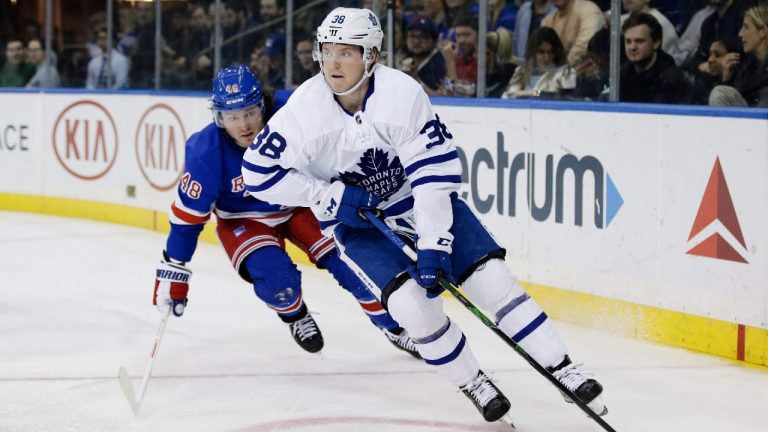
(368, 94)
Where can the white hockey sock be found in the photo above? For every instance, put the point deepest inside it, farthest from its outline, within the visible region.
(440, 342)
(494, 288)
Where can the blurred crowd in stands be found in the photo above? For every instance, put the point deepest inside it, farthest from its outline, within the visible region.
(701, 52)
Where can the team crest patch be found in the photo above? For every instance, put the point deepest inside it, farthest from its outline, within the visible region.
(378, 175)
(373, 19)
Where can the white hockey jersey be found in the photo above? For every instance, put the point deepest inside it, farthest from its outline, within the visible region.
(395, 147)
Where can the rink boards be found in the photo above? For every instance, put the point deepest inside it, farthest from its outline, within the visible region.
(644, 221)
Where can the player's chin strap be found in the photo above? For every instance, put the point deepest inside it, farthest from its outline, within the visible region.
(366, 74)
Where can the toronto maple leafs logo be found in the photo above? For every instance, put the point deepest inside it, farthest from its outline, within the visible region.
(378, 176)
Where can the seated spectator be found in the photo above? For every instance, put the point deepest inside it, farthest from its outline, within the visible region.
(305, 67)
(650, 75)
(423, 62)
(750, 87)
(529, 18)
(593, 73)
(503, 14)
(461, 59)
(545, 70)
(723, 23)
(575, 22)
(268, 62)
(100, 73)
(689, 40)
(669, 38)
(722, 63)
(16, 72)
(46, 74)
(501, 62)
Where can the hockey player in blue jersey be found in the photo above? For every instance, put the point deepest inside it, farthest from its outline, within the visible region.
(361, 135)
(253, 232)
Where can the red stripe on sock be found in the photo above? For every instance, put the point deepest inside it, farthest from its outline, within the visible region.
(372, 306)
(740, 342)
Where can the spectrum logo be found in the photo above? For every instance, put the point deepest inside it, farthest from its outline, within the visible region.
(716, 232)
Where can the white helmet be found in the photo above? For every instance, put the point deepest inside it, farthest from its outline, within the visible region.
(350, 26)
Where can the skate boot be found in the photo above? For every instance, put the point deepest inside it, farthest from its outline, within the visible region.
(575, 379)
(305, 332)
(400, 339)
(487, 397)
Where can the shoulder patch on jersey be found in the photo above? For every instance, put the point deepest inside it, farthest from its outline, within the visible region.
(378, 175)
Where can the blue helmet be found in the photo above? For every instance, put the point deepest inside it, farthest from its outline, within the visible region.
(236, 88)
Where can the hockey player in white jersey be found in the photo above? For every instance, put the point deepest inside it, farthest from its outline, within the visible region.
(364, 136)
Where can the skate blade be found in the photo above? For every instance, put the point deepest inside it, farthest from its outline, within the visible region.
(598, 406)
(507, 420)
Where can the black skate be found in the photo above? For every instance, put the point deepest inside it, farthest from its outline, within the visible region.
(488, 399)
(305, 331)
(400, 339)
(575, 379)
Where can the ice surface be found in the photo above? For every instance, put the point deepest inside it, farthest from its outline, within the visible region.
(76, 305)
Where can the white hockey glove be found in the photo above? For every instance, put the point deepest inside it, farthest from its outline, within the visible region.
(171, 286)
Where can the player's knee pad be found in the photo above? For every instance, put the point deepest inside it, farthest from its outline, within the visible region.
(421, 316)
(492, 286)
(276, 280)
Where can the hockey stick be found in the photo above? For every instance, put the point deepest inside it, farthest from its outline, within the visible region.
(125, 380)
(453, 289)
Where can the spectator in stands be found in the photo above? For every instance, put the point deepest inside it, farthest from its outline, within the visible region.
(101, 72)
(270, 62)
(751, 82)
(187, 47)
(16, 72)
(545, 70)
(46, 74)
(455, 10)
(142, 70)
(270, 10)
(650, 75)
(724, 55)
(592, 82)
(529, 18)
(435, 10)
(503, 14)
(461, 58)
(669, 38)
(575, 21)
(724, 23)
(501, 62)
(304, 66)
(424, 63)
(689, 40)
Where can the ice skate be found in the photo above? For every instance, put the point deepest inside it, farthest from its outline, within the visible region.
(575, 379)
(401, 340)
(306, 333)
(488, 399)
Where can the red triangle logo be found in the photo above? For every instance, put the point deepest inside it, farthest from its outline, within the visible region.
(717, 205)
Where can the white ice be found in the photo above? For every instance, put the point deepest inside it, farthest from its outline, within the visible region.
(76, 305)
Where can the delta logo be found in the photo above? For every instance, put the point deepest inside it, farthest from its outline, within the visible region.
(716, 229)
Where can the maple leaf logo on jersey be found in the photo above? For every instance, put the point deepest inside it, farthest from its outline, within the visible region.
(378, 176)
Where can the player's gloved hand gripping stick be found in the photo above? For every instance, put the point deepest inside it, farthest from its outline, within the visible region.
(453, 289)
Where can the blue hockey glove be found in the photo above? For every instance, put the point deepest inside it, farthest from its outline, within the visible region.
(345, 203)
(430, 264)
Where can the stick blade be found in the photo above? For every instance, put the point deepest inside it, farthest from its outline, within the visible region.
(127, 386)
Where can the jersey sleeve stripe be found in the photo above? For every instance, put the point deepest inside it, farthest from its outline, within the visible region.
(261, 169)
(436, 179)
(410, 169)
(269, 183)
(188, 218)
